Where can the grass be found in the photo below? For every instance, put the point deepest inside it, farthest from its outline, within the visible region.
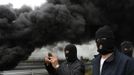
(88, 71)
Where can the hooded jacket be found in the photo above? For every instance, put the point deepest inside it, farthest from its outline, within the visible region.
(74, 68)
(72, 65)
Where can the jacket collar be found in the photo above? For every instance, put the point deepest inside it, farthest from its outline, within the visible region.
(111, 58)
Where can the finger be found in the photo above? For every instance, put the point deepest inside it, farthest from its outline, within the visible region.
(47, 59)
(54, 55)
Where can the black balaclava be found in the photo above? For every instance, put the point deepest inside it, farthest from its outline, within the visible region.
(105, 40)
(71, 53)
(127, 48)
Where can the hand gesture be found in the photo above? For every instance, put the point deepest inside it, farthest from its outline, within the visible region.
(54, 61)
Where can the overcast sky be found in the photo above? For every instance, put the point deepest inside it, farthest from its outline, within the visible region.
(19, 3)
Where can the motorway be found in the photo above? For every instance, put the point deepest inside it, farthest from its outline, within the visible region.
(25, 72)
(26, 68)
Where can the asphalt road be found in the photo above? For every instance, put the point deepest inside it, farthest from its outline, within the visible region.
(37, 68)
(25, 72)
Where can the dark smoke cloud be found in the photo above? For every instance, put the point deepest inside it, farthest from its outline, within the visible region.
(119, 15)
(6, 18)
(11, 56)
(7, 13)
(64, 23)
(87, 11)
(22, 30)
(75, 21)
(14, 39)
(50, 19)
(23, 9)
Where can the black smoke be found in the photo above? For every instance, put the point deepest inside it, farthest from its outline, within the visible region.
(14, 39)
(22, 30)
(23, 9)
(119, 15)
(75, 21)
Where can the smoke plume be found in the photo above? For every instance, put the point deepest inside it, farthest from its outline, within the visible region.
(75, 21)
(119, 15)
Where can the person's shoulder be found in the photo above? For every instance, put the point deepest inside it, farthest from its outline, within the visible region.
(63, 63)
(122, 57)
(96, 57)
(78, 63)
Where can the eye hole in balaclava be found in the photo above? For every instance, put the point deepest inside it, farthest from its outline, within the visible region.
(100, 42)
(104, 40)
(71, 53)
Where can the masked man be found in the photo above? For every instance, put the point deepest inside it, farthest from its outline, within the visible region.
(127, 48)
(110, 61)
(72, 65)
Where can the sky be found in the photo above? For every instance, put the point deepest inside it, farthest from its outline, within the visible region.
(19, 3)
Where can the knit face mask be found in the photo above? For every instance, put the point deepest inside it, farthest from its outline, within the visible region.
(70, 53)
(104, 45)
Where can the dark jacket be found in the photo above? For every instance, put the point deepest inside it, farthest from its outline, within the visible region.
(75, 68)
(116, 64)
